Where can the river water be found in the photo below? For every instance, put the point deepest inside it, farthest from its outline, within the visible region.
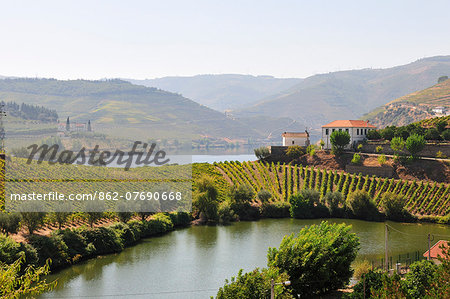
(194, 262)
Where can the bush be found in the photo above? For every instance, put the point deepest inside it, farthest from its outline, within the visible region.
(158, 224)
(393, 206)
(440, 155)
(318, 260)
(373, 135)
(76, 243)
(397, 144)
(381, 159)
(361, 206)
(127, 236)
(53, 248)
(361, 268)
(339, 140)
(420, 278)
(9, 223)
(432, 134)
(379, 149)
(414, 144)
(264, 196)
(262, 152)
(356, 159)
(372, 280)
(254, 285)
(180, 218)
(446, 134)
(333, 201)
(226, 214)
(311, 150)
(103, 239)
(278, 209)
(10, 251)
(388, 132)
(240, 200)
(294, 151)
(306, 205)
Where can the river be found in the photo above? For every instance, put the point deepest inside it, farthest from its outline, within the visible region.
(194, 262)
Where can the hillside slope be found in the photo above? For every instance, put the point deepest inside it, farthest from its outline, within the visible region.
(121, 109)
(349, 94)
(221, 92)
(412, 107)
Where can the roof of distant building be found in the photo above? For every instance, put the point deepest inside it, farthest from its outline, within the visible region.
(436, 249)
(349, 124)
(296, 134)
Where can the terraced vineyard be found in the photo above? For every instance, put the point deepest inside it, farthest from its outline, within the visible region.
(281, 180)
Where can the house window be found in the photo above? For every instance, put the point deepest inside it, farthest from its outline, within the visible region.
(292, 141)
(326, 131)
(334, 130)
(357, 131)
(365, 131)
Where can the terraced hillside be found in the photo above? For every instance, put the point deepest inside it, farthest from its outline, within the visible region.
(423, 198)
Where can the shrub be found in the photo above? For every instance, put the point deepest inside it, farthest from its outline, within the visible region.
(311, 150)
(441, 125)
(393, 206)
(446, 134)
(264, 195)
(388, 132)
(440, 155)
(432, 134)
(339, 140)
(422, 275)
(356, 159)
(379, 149)
(76, 243)
(332, 201)
(254, 285)
(9, 223)
(126, 235)
(305, 204)
(103, 239)
(158, 224)
(317, 260)
(361, 206)
(361, 268)
(372, 280)
(381, 159)
(397, 144)
(359, 147)
(11, 251)
(205, 199)
(180, 218)
(414, 144)
(373, 135)
(278, 209)
(226, 214)
(294, 151)
(262, 152)
(240, 200)
(137, 227)
(322, 143)
(53, 248)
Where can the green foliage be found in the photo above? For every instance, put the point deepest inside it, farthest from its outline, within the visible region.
(306, 204)
(264, 195)
(240, 199)
(311, 150)
(446, 134)
(420, 278)
(77, 246)
(414, 144)
(381, 159)
(317, 260)
(432, 134)
(361, 206)
(10, 251)
(339, 140)
(60, 218)
(205, 199)
(393, 206)
(294, 151)
(9, 222)
(254, 285)
(334, 201)
(278, 209)
(226, 213)
(52, 247)
(16, 282)
(361, 268)
(32, 220)
(373, 135)
(262, 152)
(397, 144)
(388, 132)
(356, 159)
(441, 125)
(103, 239)
(379, 149)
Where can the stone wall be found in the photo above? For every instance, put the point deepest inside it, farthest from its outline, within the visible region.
(430, 150)
(380, 171)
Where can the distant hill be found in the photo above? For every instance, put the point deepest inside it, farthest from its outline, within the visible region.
(119, 108)
(222, 92)
(322, 98)
(412, 107)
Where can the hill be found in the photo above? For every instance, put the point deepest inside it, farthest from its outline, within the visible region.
(322, 98)
(221, 92)
(412, 107)
(121, 109)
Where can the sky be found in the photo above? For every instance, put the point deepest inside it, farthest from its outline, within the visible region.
(148, 39)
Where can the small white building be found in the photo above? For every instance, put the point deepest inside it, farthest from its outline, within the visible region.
(356, 128)
(295, 138)
(439, 110)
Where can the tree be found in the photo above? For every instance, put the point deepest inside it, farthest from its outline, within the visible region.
(240, 199)
(32, 220)
(61, 218)
(442, 79)
(205, 199)
(397, 145)
(393, 206)
(318, 260)
(332, 201)
(262, 152)
(18, 283)
(446, 134)
(420, 278)
(441, 125)
(89, 128)
(294, 151)
(306, 204)
(339, 140)
(362, 206)
(373, 135)
(432, 134)
(414, 144)
(264, 195)
(68, 124)
(9, 223)
(388, 132)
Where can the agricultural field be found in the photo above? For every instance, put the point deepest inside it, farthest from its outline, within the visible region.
(422, 198)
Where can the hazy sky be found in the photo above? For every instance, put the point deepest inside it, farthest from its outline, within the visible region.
(147, 39)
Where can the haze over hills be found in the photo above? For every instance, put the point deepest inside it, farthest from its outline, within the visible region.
(222, 92)
(412, 107)
(320, 99)
(124, 110)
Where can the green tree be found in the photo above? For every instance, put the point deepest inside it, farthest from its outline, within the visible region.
(205, 199)
(294, 151)
(339, 140)
(393, 206)
(432, 134)
(441, 125)
(373, 135)
(362, 206)
(446, 134)
(9, 222)
(388, 132)
(333, 201)
(262, 152)
(264, 195)
(305, 204)
(397, 145)
(414, 144)
(32, 220)
(420, 278)
(18, 283)
(318, 260)
(240, 199)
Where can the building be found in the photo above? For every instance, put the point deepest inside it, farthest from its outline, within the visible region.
(295, 138)
(436, 251)
(439, 110)
(357, 129)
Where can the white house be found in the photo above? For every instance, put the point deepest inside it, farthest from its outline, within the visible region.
(295, 138)
(356, 128)
(439, 110)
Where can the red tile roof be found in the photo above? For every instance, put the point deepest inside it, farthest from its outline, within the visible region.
(436, 249)
(295, 134)
(349, 124)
